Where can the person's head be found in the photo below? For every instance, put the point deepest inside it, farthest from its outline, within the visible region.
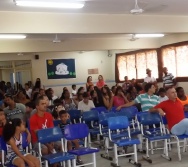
(30, 106)
(21, 95)
(74, 87)
(2, 115)
(66, 94)
(41, 104)
(85, 97)
(9, 99)
(57, 102)
(38, 83)
(90, 88)
(8, 85)
(26, 86)
(81, 90)
(89, 79)
(100, 78)
(113, 89)
(133, 81)
(35, 96)
(149, 88)
(64, 116)
(132, 89)
(180, 92)
(119, 91)
(11, 127)
(143, 85)
(38, 79)
(162, 92)
(106, 91)
(41, 91)
(80, 96)
(46, 100)
(65, 88)
(148, 72)
(126, 78)
(165, 70)
(171, 93)
(56, 110)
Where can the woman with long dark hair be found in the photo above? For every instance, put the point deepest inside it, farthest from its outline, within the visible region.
(107, 97)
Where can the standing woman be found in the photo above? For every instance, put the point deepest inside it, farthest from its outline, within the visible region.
(89, 82)
(107, 97)
(100, 82)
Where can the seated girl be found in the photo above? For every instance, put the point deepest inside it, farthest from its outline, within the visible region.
(12, 134)
(119, 98)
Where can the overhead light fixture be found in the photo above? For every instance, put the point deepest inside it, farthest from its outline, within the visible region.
(49, 4)
(12, 36)
(148, 35)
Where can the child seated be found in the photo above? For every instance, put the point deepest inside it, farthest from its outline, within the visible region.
(74, 91)
(162, 95)
(12, 134)
(64, 116)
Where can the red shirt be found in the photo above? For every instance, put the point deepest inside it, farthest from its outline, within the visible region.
(118, 101)
(37, 123)
(174, 111)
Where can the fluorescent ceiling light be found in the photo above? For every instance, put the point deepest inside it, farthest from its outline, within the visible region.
(48, 4)
(148, 35)
(9, 36)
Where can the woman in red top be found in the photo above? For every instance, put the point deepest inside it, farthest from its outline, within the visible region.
(100, 82)
(119, 98)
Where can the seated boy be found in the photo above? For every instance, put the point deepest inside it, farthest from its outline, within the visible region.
(64, 117)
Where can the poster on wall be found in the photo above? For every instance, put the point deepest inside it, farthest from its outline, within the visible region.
(60, 68)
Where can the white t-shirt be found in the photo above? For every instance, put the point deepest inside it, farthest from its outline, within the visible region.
(161, 99)
(74, 92)
(85, 107)
(149, 79)
(28, 92)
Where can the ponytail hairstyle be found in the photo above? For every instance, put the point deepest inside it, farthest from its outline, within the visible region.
(10, 128)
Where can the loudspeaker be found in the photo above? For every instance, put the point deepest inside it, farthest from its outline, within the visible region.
(36, 57)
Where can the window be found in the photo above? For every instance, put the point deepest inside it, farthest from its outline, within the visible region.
(134, 64)
(176, 60)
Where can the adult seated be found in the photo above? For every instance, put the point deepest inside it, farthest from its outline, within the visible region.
(174, 112)
(182, 97)
(147, 100)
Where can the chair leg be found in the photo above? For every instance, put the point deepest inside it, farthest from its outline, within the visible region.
(89, 140)
(94, 159)
(46, 163)
(178, 148)
(151, 146)
(147, 147)
(69, 163)
(135, 153)
(74, 163)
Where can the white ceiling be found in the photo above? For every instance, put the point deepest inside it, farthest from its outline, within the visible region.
(151, 7)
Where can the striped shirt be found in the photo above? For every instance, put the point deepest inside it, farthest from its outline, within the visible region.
(147, 101)
(168, 80)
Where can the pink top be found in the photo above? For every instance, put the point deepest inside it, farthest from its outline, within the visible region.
(118, 101)
(100, 84)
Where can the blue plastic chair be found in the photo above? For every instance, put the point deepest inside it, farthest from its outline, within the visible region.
(77, 131)
(3, 148)
(52, 135)
(179, 139)
(119, 123)
(56, 122)
(75, 116)
(100, 109)
(152, 134)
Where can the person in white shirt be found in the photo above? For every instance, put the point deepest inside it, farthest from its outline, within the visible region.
(28, 90)
(162, 95)
(85, 104)
(74, 91)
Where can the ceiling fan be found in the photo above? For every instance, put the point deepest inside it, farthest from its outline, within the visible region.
(56, 39)
(137, 9)
(133, 38)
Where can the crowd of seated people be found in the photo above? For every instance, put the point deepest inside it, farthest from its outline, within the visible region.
(39, 104)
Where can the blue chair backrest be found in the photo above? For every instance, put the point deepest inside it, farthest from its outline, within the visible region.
(56, 122)
(75, 114)
(89, 116)
(186, 114)
(130, 112)
(76, 131)
(119, 122)
(113, 109)
(100, 109)
(103, 118)
(3, 145)
(148, 118)
(49, 135)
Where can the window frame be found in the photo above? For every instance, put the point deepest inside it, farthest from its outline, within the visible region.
(131, 53)
(159, 58)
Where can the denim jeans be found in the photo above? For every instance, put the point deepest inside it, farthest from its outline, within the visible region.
(180, 128)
